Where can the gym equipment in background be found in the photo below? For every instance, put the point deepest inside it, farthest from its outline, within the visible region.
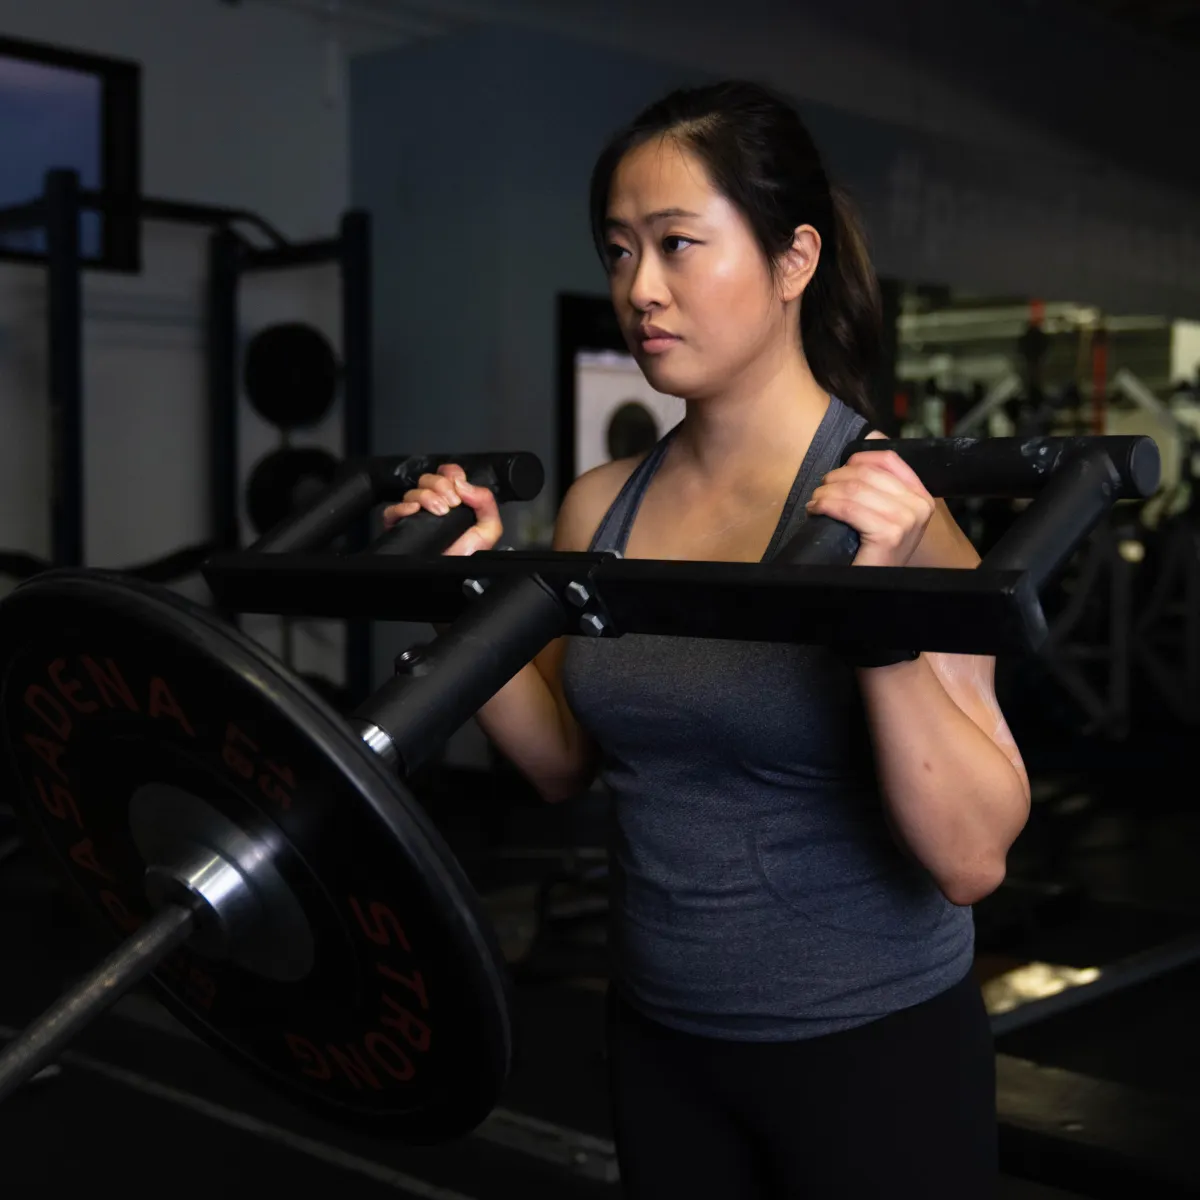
(292, 376)
(606, 409)
(234, 252)
(283, 481)
(261, 854)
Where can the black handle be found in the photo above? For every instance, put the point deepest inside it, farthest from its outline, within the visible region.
(820, 542)
(425, 532)
(1018, 467)
(513, 475)
(507, 476)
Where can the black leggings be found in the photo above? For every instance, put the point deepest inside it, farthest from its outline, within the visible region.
(903, 1106)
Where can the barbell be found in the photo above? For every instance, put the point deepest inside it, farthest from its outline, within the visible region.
(261, 855)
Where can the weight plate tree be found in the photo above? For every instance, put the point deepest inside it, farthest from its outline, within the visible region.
(291, 375)
(285, 480)
(260, 854)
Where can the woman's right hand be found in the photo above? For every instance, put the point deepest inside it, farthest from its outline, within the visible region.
(440, 493)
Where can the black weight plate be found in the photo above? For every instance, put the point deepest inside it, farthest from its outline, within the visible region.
(632, 430)
(334, 694)
(291, 375)
(284, 481)
(109, 685)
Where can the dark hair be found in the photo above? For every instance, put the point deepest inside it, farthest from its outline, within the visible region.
(761, 157)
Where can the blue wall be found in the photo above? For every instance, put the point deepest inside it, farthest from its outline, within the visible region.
(473, 153)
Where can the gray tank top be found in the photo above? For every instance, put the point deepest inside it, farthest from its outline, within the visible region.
(757, 893)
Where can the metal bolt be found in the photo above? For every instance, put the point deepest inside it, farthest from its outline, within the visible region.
(592, 624)
(474, 587)
(412, 661)
(577, 594)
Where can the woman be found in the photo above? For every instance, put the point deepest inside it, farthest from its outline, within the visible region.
(797, 838)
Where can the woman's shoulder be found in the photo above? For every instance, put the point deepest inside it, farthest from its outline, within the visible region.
(588, 499)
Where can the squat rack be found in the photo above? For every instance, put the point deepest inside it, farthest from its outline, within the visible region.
(230, 256)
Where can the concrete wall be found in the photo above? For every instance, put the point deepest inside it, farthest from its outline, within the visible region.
(235, 99)
(1032, 76)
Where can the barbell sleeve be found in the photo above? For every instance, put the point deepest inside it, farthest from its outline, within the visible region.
(43, 1041)
(424, 532)
(449, 680)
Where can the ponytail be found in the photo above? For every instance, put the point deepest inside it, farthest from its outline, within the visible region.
(841, 315)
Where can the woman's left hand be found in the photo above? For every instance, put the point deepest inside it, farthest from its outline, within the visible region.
(877, 493)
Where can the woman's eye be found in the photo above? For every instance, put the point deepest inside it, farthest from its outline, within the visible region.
(675, 243)
(614, 252)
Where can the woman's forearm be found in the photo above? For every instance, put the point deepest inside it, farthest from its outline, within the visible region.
(531, 729)
(954, 796)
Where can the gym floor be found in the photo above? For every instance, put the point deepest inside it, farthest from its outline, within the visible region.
(137, 1096)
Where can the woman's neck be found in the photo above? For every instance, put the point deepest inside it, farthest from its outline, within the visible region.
(757, 425)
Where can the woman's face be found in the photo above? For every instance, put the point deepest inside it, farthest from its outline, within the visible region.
(695, 298)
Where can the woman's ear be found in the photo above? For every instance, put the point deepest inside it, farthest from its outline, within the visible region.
(799, 262)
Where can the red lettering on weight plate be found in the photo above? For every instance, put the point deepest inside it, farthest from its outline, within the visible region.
(275, 782)
(349, 1061)
(68, 688)
(124, 920)
(358, 1064)
(83, 854)
(232, 752)
(56, 718)
(389, 1056)
(190, 982)
(57, 801)
(383, 927)
(241, 754)
(163, 704)
(396, 1016)
(414, 982)
(383, 1052)
(375, 921)
(312, 1061)
(49, 752)
(109, 683)
(201, 988)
